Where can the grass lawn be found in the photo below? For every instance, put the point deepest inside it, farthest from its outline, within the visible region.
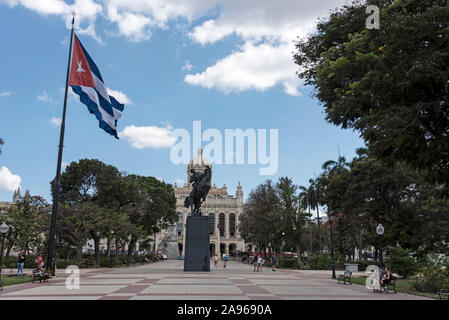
(9, 281)
(402, 285)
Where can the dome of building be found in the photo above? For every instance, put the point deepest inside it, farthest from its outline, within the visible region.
(199, 162)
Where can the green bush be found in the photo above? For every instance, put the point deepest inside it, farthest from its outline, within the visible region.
(62, 263)
(365, 264)
(401, 263)
(11, 262)
(435, 277)
(288, 263)
(320, 261)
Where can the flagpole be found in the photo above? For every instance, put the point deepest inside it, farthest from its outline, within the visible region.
(52, 238)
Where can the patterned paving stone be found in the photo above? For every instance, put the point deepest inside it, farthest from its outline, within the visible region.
(167, 281)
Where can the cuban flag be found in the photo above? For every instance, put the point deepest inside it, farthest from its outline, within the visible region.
(86, 81)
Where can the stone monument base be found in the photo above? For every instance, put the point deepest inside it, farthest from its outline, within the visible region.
(197, 255)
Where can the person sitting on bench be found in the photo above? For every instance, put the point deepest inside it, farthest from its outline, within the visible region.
(386, 277)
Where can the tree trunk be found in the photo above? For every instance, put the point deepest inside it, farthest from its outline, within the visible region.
(79, 253)
(10, 245)
(109, 247)
(298, 249)
(97, 250)
(131, 246)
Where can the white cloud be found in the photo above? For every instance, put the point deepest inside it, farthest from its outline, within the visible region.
(56, 121)
(136, 18)
(120, 96)
(257, 67)
(8, 181)
(187, 66)
(266, 27)
(87, 11)
(5, 93)
(148, 137)
(44, 96)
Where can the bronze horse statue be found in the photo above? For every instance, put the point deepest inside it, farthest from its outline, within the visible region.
(201, 186)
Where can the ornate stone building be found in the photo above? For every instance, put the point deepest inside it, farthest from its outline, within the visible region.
(222, 209)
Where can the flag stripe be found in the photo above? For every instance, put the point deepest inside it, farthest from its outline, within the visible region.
(101, 89)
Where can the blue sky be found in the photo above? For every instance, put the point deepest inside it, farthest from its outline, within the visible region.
(220, 63)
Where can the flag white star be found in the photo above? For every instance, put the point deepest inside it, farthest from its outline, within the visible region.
(80, 69)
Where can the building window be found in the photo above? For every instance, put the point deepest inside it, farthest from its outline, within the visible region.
(232, 225)
(180, 223)
(221, 224)
(211, 223)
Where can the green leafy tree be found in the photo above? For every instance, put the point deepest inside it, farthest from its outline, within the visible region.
(259, 223)
(401, 263)
(291, 213)
(29, 220)
(390, 84)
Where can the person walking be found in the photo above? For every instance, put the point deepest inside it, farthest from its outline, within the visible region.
(20, 263)
(215, 261)
(259, 263)
(273, 261)
(255, 262)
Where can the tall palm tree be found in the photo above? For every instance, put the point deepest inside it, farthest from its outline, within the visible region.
(304, 195)
(311, 194)
(1, 143)
(331, 165)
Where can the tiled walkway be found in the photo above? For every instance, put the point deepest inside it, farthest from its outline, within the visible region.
(166, 280)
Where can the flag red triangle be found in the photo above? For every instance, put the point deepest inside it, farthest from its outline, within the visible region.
(80, 73)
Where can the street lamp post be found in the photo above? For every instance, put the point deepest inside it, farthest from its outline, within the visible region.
(3, 230)
(332, 250)
(380, 232)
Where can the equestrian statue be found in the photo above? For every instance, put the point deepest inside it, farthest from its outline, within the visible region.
(201, 183)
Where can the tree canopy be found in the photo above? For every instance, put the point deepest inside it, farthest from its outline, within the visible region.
(390, 84)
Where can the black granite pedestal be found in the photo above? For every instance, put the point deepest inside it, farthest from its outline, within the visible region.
(197, 255)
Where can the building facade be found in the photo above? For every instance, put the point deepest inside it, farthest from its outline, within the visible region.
(222, 209)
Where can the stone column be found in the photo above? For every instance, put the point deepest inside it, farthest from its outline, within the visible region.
(227, 225)
(217, 232)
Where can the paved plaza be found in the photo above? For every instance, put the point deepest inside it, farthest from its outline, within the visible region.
(166, 280)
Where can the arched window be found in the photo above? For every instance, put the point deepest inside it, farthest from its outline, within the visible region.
(180, 223)
(232, 225)
(221, 224)
(211, 223)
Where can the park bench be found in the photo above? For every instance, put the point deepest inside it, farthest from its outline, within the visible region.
(40, 275)
(347, 276)
(443, 292)
(390, 284)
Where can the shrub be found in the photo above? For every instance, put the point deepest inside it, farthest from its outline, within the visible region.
(365, 264)
(320, 261)
(11, 262)
(63, 263)
(401, 263)
(435, 277)
(288, 263)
